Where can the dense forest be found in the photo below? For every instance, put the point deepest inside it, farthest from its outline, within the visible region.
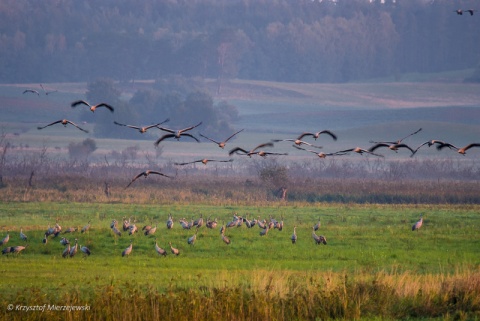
(278, 40)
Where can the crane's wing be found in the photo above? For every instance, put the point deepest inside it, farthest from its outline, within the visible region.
(191, 127)
(130, 126)
(226, 140)
(400, 140)
(109, 107)
(163, 138)
(159, 173)
(305, 134)
(135, 178)
(405, 146)
(305, 143)
(209, 138)
(470, 146)
(79, 102)
(271, 153)
(190, 135)
(31, 91)
(236, 150)
(181, 164)
(55, 122)
(376, 146)
(280, 140)
(443, 145)
(72, 123)
(262, 145)
(156, 125)
(328, 133)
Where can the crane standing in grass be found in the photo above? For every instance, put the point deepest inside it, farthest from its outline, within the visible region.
(5, 239)
(294, 235)
(23, 237)
(174, 250)
(170, 222)
(225, 239)
(66, 251)
(159, 250)
(86, 227)
(418, 224)
(85, 250)
(193, 238)
(128, 250)
(74, 249)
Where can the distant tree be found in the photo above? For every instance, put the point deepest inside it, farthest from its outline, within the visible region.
(103, 90)
(272, 173)
(227, 111)
(81, 151)
(179, 84)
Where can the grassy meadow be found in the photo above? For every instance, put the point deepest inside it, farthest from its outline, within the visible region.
(371, 253)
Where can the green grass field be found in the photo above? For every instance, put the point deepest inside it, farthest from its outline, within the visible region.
(365, 243)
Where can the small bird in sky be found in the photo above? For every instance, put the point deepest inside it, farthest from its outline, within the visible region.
(64, 122)
(460, 150)
(222, 143)
(92, 107)
(145, 174)
(205, 161)
(144, 128)
(177, 133)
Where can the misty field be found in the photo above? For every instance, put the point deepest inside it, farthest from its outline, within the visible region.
(373, 265)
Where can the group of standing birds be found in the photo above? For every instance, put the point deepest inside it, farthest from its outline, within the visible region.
(237, 221)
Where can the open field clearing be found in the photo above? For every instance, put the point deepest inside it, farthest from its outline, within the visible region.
(371, 252)
(373, 267)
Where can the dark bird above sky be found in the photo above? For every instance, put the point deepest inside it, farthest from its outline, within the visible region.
(317, 134)
(64, 122)
(48, 92)
(393, 147)
(31, 91)
(239, 150)
(357, 150)
(222, 143)
(429, 143)
(177, 133)
(145, 174)
(460, 150)
(92, 107)
(142, 129)
(321, 154)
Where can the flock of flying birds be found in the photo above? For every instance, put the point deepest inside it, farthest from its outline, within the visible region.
(261, 149)
(461, 11)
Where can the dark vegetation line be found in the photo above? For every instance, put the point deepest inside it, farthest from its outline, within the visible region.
(425, 181)
(287, 41)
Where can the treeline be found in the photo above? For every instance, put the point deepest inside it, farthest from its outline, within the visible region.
(180, 103)
(281, 40)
